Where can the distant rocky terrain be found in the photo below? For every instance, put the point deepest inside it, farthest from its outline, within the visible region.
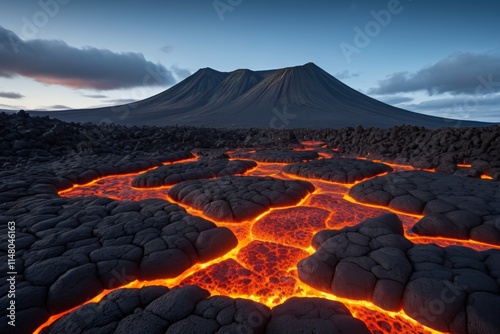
(44, 140)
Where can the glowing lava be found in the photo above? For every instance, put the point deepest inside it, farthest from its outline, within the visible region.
(263, 266)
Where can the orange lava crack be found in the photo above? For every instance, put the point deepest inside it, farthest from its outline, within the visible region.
(263, 265)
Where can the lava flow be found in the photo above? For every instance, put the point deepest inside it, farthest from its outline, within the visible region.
(263, 265)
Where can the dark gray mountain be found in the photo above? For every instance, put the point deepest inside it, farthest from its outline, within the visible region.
(292, 97)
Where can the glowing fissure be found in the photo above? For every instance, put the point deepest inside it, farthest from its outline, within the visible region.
(263, 265)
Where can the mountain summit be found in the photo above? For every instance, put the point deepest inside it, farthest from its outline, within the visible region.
(292, 97)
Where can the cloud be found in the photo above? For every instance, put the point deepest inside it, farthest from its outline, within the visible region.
(485, 108)
(58, 107)
(346, 75)
(121, 101)
(181, 73)
(396, 99)
(9, 107)
(461, 102)
(459, 73)
(167, 48)
(53, 107)
(95, 96)
(11, 95)
(57, 63)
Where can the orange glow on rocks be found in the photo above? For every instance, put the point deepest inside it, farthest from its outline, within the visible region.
(115, 187)
(263, 266)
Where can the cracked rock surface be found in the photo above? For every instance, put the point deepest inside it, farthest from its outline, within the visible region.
(69, 249)
(173, 174)
(452, 289)
(239, 198)
(279, 156)
(337, 170)
(454, 207)
(190, 309)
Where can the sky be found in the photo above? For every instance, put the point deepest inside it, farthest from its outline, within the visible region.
(434, 57)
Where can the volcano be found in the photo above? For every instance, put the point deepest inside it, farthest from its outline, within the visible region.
(292, 97)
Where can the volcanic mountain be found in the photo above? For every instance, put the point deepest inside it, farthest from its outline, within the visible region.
(292, 97)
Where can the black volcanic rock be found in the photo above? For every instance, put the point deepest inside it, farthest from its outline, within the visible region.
(292, 97)
(70, 249)
(239, 198)
(173, 174)
(277, 156)
(31, 177)
(422, 148)
(439, 287)
(455, 207)
(337, 170)
(83, 146)
(190, 309)
(314, 315)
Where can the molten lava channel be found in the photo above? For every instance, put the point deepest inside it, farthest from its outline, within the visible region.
(263, 265)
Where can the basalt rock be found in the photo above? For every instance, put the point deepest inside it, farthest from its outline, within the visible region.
(239, 198)
(453, 206)
(173, 174)
(439, 287)
(190, 309)
(281, 156)
(337, 170)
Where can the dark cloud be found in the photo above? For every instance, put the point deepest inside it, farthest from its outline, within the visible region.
(396, 99)
(463, 101)
(95, 96)
(485, 108)
(121, 101)
(58, 107)
(459, 73)
(11, 95)
(55, 62)
(346, 75)
(54, 107)
(167, 48)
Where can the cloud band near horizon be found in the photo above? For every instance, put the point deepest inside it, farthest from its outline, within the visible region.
(57, 63)
(459, 73)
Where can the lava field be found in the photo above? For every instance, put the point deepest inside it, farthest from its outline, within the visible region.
(127, 230)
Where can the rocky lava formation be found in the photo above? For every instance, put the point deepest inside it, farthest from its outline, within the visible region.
(452, 289)
(239, 198)
(454, 207)
(338, 170)
(283, 156)
(173, 174)
(159, 235)
(190, 309)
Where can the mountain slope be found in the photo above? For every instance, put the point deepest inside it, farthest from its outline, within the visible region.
(300, 96)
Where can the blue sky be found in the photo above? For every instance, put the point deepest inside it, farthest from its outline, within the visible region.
(440, 58)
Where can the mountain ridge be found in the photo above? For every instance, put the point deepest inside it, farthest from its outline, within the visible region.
(299, 96)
